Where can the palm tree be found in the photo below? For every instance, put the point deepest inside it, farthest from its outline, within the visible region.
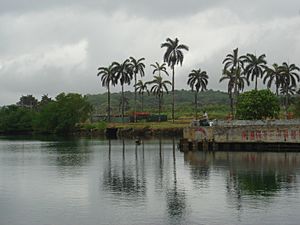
(137, 67)
(290, 77)
(123, 73)
(198, 79)
(107, 77)
(159, 87)
(159, 69)
(233, 64)
(237, 79)
(274, 75)
(173, 56)
(141, 88)
(255, 67)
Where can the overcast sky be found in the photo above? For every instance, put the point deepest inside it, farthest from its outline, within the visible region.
(54, 46)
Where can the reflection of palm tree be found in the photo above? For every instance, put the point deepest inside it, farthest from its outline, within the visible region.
(124, 181)
(197, 80)
(173, 56)
(175, 198)
(159, 86)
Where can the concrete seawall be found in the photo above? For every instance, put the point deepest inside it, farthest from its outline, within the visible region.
(243, 135)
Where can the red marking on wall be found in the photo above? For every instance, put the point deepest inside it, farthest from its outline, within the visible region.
(244, 135)
(201, 130)
(252, 136)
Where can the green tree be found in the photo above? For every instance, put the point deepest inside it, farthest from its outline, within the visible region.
(137, 67)
(123, 74)
(273, 74)
(233, 65)
(15, 119)
(290, 77)
(257, 105)
(159, 86)
(160, 69)
(173, 56)
(28, 101)
(107, 78)
(62, 115)
(255, 67)
(198, 80)
(141, 88)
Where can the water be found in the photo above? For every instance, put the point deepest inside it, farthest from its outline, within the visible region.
(94, 181)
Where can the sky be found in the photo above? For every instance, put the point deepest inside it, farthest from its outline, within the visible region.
(54, 46)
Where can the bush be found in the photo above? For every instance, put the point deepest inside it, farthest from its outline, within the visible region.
(256, 105)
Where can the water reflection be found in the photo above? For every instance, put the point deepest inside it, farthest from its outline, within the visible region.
(69, 154)
(124, 178)
(260, 175)
(176, 199)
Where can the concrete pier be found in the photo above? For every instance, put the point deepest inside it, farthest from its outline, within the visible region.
(275, 135)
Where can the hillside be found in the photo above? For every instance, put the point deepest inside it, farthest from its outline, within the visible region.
(184, 102)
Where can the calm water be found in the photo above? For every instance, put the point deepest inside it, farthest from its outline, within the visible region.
(93, 181)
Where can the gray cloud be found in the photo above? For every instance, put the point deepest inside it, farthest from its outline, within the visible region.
(52, 46)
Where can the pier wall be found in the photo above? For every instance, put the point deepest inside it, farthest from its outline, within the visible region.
(243, 136)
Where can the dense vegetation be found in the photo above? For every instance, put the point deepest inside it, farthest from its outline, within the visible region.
(257, 105)
(52, 116)
(209, 100)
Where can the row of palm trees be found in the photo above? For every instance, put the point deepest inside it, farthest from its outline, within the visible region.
(240, 70)
(124, 72)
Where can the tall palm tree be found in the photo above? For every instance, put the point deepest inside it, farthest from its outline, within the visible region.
(237, 79)
(123, 73)
(234, 64)
(273, 74)
(159, 87)
(160, 69)
(141, 88)
(107, 77)
(173, 56)
(137, 67)
(198, 80)
(290, 77)
(255, 67)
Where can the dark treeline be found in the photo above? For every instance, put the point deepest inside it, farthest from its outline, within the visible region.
(59, 115)
(149, 103)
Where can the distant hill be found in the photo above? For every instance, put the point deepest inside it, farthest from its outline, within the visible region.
(184, 101)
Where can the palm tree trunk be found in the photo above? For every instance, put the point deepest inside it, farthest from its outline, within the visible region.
(255, 83)
(159, 107)
(135, 97)
(122, 103)
(173, 94)
(196, 111)
(235, 97)
(108, 101)
(142, 102)
(286, 104)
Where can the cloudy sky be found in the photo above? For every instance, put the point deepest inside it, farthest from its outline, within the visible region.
(54, 46)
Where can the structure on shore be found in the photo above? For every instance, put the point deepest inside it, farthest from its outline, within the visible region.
(242, 135)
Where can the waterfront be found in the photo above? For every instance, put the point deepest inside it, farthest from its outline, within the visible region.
(97, 181)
